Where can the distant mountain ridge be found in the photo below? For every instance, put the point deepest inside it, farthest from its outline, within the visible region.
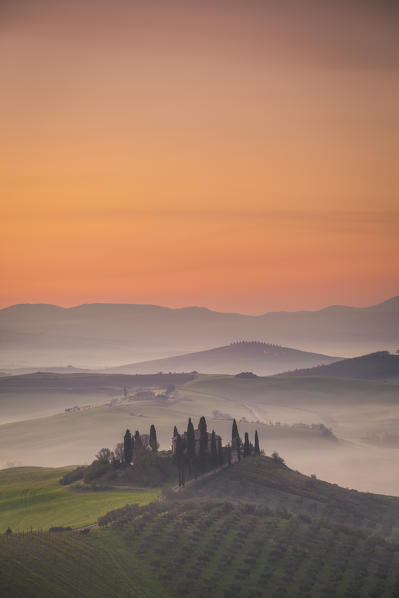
(93, 335)
(381, 364)
(260, 358)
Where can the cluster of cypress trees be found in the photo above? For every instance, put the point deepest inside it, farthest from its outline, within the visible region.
(186, 455)
(133, 445)
(247, 448)
(206, 458)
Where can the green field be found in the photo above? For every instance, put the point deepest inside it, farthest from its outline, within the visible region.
(31, 497)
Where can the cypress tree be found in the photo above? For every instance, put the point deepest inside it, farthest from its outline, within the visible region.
(214, 452)
(178, 449)
(153, 438)
(203, 444)
(127, 448)
(246, 445)
(138, 445)
(175, 432)
(202, 427)
(190, 445)
(236, 440)
(257, 449)
(220, 451)
(190, 439)
(235, 437)
(179, 458)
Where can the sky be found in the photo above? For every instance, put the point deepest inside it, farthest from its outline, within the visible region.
(241, 156)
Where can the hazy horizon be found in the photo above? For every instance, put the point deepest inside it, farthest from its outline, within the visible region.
(194, 306)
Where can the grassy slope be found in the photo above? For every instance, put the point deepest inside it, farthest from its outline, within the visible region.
(376, 365)
(314, 387)
(41, 394)
(33, 497)
(261, 480)
(198, 549)
(62, 565)
(223, 550)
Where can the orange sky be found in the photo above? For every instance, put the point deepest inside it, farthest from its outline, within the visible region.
(237, 155)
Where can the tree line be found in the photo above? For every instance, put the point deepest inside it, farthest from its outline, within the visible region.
(132, 447)
(197, 451)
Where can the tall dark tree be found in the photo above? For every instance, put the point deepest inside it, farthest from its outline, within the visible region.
(179, 458)
(246, 445)
(203, 444)
(202, 427)
(236, 440)
(177, 453)
(175, 432)
(257, 449)
(153, 438)
(127, 448)
(220, 451)
(235, 437)
(214, 450)
(190, 439)
(190, 445)
(138, 444)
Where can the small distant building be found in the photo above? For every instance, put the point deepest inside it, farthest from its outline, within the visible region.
(72, 409)
(144, 395)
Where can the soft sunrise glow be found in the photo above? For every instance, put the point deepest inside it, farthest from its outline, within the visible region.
(241, 156)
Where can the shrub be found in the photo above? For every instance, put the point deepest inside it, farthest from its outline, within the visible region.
(277, 457)
(96, 470)
(73, 476)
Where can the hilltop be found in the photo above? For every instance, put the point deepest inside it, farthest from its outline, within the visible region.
(381, 364)
(105, 335)
(263, 359)
(266, 481)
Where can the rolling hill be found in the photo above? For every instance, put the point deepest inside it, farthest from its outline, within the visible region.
(265, 481)
(42, 393)
(379, 365)
(220, 538)
(33, 408)
(94, 335)
(263, 359)
(86, 383)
